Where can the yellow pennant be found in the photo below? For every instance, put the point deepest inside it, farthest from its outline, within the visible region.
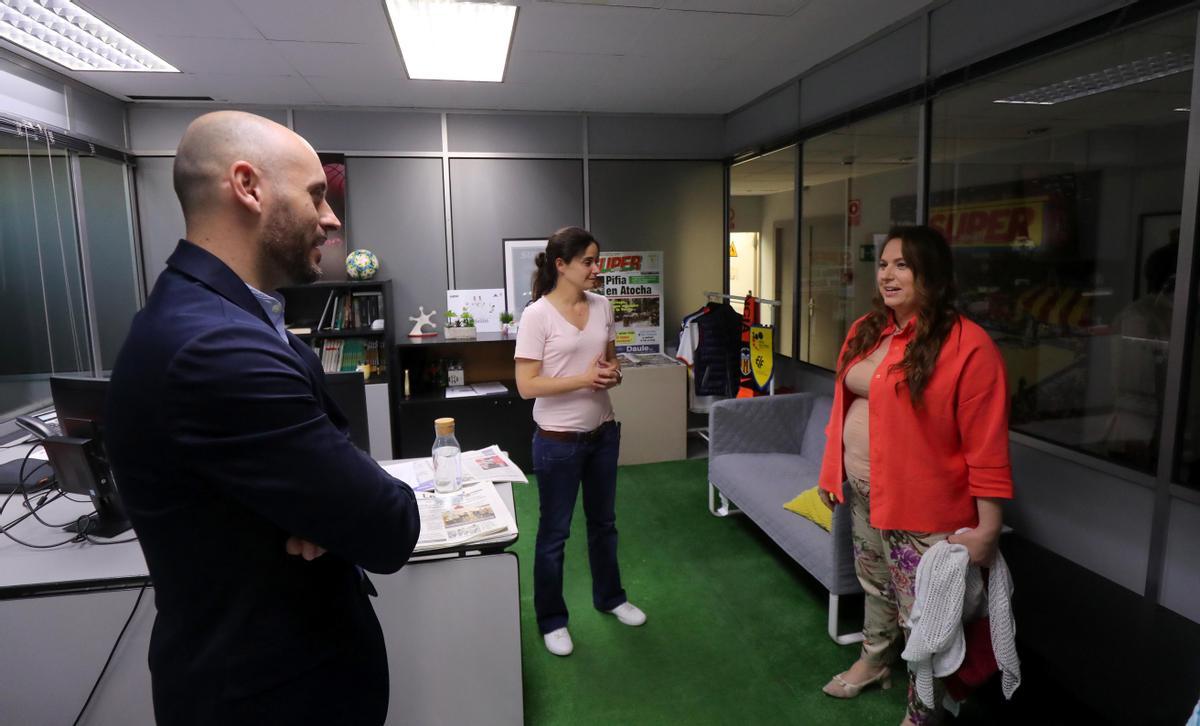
(762, 355)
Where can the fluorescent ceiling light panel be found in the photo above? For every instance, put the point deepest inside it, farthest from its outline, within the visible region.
(1109, 79)
(452, 41)
(65, 33)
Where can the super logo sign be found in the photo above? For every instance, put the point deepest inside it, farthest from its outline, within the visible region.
(626, 263)
(1012, 221)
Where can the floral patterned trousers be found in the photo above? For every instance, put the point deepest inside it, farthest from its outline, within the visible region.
(886, 564)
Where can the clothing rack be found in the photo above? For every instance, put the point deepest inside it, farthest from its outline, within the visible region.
(711, 296)
(714, 296)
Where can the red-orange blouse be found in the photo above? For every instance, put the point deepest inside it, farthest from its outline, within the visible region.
(928, 464)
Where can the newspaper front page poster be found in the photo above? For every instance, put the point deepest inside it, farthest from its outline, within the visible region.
(633, 282)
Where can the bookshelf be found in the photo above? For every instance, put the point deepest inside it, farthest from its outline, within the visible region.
(334, 319)
(504, 419)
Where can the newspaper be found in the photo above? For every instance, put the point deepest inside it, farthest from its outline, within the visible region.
(476, 514)
(490, 463)
(643, 360)
(417, 474)
(476, 389)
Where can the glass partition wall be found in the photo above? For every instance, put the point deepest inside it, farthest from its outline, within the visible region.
(52, 200)
(858, 182)
(762, 238)
(1059, 184)
(1060, 187)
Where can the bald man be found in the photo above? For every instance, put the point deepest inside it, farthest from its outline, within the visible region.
(256, 513)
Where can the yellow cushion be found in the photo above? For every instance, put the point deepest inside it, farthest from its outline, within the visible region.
(809, 505)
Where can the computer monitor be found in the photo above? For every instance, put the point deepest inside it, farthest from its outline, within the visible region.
(79, 403)
(350, 394)
(78, 458)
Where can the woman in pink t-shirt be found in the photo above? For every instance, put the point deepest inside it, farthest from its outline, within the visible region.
(566, 359)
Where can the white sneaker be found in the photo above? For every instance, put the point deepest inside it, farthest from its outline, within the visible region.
(629, 613)
(559, 642)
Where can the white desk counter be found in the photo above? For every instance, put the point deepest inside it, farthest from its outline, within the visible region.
(448, 622)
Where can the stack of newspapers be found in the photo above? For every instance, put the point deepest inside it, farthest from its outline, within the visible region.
(476, 515)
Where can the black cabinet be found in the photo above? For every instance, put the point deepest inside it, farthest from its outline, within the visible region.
(503, 419)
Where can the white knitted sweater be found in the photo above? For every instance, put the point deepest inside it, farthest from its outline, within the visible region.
(948, 589)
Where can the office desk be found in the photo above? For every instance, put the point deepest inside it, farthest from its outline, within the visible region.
(451, 624)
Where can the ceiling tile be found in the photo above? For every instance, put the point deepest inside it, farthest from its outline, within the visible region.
(707, 35)
(351, 61)
(259, 89)
(143, 18)
(580, 29)
(223, 55)
(344, 21)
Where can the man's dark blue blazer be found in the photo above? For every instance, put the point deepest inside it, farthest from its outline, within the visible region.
(224, 443)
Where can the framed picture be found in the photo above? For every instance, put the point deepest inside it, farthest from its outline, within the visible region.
(484, 305)
(519, 266)
(1155, 231)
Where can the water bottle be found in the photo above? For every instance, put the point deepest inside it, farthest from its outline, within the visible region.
(447, 455)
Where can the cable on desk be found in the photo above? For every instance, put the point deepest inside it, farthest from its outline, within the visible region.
(11, 536)
(94, 541)
(111, 653)
(31, 513)
(51, 525)
(21, 481)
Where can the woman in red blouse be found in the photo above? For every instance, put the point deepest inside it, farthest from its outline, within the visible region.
(919, 435)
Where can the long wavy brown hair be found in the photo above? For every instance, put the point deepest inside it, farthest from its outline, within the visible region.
(928, 255)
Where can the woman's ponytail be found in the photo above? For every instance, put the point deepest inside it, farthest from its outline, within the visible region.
(566, 244)
(544, 277)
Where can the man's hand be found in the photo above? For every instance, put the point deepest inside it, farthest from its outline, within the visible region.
(304, 548)
(827, 498)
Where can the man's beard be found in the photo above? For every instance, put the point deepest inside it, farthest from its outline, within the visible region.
(288, 248)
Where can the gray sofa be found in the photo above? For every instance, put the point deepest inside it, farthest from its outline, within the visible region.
(763, 452)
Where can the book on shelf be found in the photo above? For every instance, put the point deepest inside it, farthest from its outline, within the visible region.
(344, 355)
(350, 310)
(368, 307)
(299, 331)
(325, 310)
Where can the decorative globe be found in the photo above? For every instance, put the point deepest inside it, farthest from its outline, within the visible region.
(362, 265)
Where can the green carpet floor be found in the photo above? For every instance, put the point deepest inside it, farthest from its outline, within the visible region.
(735, 631)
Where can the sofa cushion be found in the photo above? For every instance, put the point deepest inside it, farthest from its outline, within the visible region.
(808, 504)
(758, 484)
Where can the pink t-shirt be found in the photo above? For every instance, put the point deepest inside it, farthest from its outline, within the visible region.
(564, 350)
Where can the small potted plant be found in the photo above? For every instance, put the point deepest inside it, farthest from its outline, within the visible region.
(459, 326)
(506, 319)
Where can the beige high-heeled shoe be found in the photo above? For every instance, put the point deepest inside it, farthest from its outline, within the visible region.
(840, 688)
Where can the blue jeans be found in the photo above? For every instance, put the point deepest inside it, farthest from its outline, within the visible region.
(560, 467)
